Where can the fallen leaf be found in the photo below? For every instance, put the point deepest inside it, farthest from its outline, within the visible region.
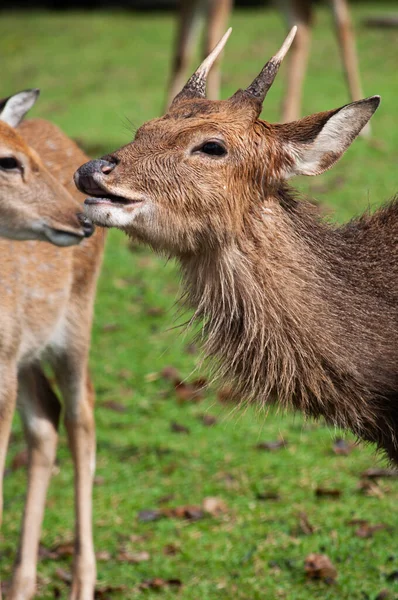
(99, 480)
(268, 495)
(105, 592)
(103, 555)
(171, 550)
(274, 445)
(146, 516)
(342, 447)
(208, 420)
(56, 552)
(370, 487)
(214, 506)
(19, 460)
(155, 311)
(377, 473)
(383, 595)
(304, 524)
(170, 374)
(189, 391)
(178, 428)
(191, 348)
(157, 583)
(65, 576)
(365, 529)
(133, 557)
(189, 512)
(226, 394)
(319, 566)
(322, 492)
(114, 405)
(107, 327)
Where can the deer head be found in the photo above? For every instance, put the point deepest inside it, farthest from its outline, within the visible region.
(192, 180)
(33, 204)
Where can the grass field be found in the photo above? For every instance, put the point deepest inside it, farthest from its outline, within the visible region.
(102, 75)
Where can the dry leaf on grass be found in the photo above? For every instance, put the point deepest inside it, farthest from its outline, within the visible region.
(319, 566)
(19, 460)
(108, 327)
(65, 576)
(178, 428)
(273, 445)
(304, 526)
(147, 516)
(365, 529)
(214, 506)
(370, 487)
(133, 557)
(343, 447)
(105, 592)
(379, 473)
(114, 405)
(157, 583)
(208, 420)
(61, 550)
(103, 555)
(322, 492)
(268, 495)
(383, 595)
(226, 394)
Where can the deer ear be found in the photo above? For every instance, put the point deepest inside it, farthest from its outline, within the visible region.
(315, 143)
(14, 108)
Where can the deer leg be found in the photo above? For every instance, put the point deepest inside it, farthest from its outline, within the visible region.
(40, 410)
(78, 395)
(298, 13)
(190, 13)
(345, 36)
(8, 394)
(217, 19)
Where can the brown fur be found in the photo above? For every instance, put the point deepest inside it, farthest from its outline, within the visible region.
(46, 314)
(294, 310)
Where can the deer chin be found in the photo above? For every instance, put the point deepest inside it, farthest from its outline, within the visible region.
(115, 211)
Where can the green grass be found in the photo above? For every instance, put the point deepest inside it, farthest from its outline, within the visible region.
(102, 75)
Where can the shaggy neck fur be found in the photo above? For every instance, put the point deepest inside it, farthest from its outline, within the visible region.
(306, 314)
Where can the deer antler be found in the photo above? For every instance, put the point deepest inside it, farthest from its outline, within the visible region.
(261, 84)
(196, 84)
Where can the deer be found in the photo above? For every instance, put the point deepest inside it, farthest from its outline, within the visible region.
(47, 308)
(294, 310)
(33, 204)
(216, 14)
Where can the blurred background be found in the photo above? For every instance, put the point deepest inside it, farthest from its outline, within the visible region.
(285, 487)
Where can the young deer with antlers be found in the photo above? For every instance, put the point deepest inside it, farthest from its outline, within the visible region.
(46, 313)
(295, 310)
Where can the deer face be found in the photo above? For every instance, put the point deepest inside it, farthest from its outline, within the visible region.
(192, 179)
(33, 204)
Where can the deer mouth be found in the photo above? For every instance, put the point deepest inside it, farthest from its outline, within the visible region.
(111, 199)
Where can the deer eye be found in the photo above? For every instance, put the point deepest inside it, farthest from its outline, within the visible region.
(213, 149)
(9, 164)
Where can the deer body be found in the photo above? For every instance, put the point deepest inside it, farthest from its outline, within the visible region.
(47, 307)
(295, 310)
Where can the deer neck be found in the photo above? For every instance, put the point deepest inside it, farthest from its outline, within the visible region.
(282, 319)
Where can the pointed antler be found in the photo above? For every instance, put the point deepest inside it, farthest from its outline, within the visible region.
(260, 86)
(196, 84)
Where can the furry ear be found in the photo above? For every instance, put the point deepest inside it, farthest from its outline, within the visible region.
(315, 143)
(14, 108)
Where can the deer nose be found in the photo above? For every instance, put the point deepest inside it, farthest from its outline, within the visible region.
(88, 226)
(84, 177)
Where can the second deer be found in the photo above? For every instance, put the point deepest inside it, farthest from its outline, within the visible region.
(47, 297)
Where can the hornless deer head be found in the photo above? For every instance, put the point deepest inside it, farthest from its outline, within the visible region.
(192, 180)
(33, 204)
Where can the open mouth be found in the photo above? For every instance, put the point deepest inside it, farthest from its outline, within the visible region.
(111, 199)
